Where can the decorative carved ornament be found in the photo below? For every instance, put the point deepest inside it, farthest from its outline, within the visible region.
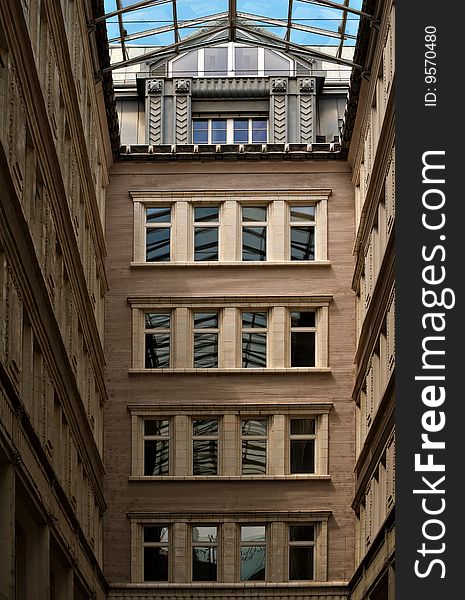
(155, 86)
(279, 85)
(307, 85)
(182, 86)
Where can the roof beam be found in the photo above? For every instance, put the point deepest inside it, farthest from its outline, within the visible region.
(289, 22)
(232, 10)
(177, 37)
(297, 26)
(343, 30)
(170, 27)
(122, 31)
(121, 10)
(338, 6)
(183, 45)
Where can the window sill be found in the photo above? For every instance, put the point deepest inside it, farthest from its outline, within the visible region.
(300, 477)
(237, 371)
(237, 263)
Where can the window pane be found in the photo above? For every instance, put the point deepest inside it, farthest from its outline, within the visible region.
(204, 533)
(254, 243)
(159, 214)
(152, 427)
(246, 61)
(206, 320)
(216, 62)
(254, 426)
(259, 131)
(302, 349)
(275, 64)
(186, 66)
(156, 564)
(253, 350)
(253, 457)
(157, 350)
(302, 243)
(303, 319)
(302, 426)
(300, 563)
(253, 533)
(205, 350)
(206, 213)
(302, 456)
(206, 243)
(254, 213)
(302, 533)
(218, 131)
(241, 131)
(156, 534)
(205, 457)
(200, 131)
(157, 320)
(254, 319)
(302, 213)
(205, 427)
(204, 563)
(156, 457)
(253, 559)
(158, 244)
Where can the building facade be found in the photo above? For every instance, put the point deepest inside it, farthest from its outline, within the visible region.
(372, 156)
(55, 157)
(218, 282)
(229, 429)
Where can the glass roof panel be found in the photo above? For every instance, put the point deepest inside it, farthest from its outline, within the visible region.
(293, 26)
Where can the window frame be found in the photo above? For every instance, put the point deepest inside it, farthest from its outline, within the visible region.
(159, 225)
(250, 224)
(145, 544)
(256, 437)
(299, 437)
(207, 438)
(251, 330)
(306, 223)
(206, 331)
(162, 331)
(168, 438)
(216, 545)
(231, 59)
(251, 544)
(230, 129)
(206, 225)
(313, 329)
(302, 544)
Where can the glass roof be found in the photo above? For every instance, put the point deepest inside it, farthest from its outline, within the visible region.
(166, 28)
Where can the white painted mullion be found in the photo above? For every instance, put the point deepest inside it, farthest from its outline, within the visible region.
(231, 60)
(201, 62)
(261, 62)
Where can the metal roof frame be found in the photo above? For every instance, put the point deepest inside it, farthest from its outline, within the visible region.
(231, 26)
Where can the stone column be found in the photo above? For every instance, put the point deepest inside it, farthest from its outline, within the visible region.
(38, 563)
(183, 111)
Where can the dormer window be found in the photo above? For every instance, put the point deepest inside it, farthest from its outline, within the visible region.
(231, 60)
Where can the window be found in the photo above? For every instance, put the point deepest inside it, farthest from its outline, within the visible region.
(205, 446)
(156, 447)
(206, 340)
(303, 330)
(250, 131)
(301, 552)
(254, 438)
(216, 62)
(156, 552)
(254, 332)
(206, 226)
(253, 130)
(157, 340)
(157, 233)
(246, 60)
(302, 222)
(253, 552)
(302, 445)
(254, 224)
(204, 553)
